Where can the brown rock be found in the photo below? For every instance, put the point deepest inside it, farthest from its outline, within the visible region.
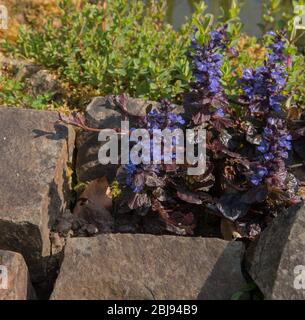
(34, 151)
(272, 260)
(14, 278)
(124, 266)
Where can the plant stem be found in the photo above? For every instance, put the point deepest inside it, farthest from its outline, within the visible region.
(104, 23)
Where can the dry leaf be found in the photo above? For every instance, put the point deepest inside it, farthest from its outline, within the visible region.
(109, 193)
(95, 204)
(294, 113)
(301, 192)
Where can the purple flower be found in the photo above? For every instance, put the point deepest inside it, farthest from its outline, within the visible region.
(202, 67)
(130, 171)
(285, 142)
(275, 102)
(216, 36)
(268, 156)
(267, 132)
(207, 61)
(263, 147)
(262, 87)
(262, 172)
(130, 168)
(271, 33)
(175, 119)
(214, 85)
(255, 180)
(248, 74)
(277, 48)
(284, 154)
(219, 113)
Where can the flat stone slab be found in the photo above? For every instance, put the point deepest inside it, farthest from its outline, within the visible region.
(14, 278)
(277, 261)
(34, 151)
(126, 266)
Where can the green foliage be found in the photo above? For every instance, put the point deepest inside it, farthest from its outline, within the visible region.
(233, 64)
(138, 53)
(275, 14)
(249, 292)
(13, 92)
(295, 88)
(295, 35)
(231, 17)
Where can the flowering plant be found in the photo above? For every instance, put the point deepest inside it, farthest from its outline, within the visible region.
(249, 145)
(255, 138)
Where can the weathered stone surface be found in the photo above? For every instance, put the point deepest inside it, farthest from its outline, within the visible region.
(14, 278)
(103, 112)
(42, 82)
(21, 69)
(272, 260)
(34, 151)
(125, 266)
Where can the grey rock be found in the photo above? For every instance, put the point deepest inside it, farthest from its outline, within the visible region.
(272, 260)
(103, 112)
(57, 243)
(64, 223)
(34, 152)
(24, 71)
(42, 82)
(14, 279)
(38, 80)
(89, 230)
(21, 69)
(125, 266)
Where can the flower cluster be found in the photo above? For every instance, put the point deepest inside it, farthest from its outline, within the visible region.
(262, 88)
(246, 152)
(277, 48)
(130, 171)
(207, 62)
(274, 149)
(163, 118)
(159, 118)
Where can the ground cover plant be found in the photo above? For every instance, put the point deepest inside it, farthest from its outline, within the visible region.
(252, 110)
(248, 94)
(128, 47)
